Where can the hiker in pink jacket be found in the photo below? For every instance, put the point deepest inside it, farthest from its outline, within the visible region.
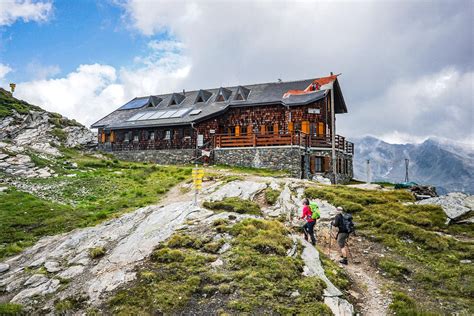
(308, 227)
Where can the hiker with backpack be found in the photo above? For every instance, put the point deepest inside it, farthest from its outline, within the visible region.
(310, 214)
(343, 221)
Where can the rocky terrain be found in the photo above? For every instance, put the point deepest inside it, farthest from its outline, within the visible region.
(445, 164)
(30, 136)
(62, 265)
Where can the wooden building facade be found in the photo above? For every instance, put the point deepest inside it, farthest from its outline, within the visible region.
(298, 114)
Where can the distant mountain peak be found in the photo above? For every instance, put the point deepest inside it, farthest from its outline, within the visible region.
(441, 162)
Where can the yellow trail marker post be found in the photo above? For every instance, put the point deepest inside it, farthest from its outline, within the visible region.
(197, 174)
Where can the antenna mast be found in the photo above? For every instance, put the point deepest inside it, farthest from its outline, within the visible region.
(368, 171)
(407, 162)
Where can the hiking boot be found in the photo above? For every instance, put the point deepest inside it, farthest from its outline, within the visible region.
(343, 261)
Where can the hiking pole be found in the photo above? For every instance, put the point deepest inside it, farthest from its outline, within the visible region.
(330, 237)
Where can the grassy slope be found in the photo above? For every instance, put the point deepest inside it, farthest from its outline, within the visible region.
(9, 103)
(423, 257)
(257, 277)
(107, 189)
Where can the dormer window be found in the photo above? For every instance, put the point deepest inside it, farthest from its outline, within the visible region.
(223, 95)
(203, 96)
(154, 101)
(176, 98)
(242, 94)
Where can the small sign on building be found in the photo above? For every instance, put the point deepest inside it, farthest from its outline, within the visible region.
(314, 111)
(200, 140)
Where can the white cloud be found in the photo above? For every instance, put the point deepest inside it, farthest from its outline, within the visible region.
(93, 91)
(400, 83)
(4, 70)
(80, 95)
(27, 10)
(398, 73)
(439, 104)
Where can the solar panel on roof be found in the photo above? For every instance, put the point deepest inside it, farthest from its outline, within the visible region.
(180, 113)
(156, 115)
(135, 104)
(146, 116)
(136, 117)
(167, 114)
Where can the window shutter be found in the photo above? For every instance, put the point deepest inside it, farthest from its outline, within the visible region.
(237, 130)
(320, 129)
(262, 129)
(290, 127)
(275, 128)
(305, 127)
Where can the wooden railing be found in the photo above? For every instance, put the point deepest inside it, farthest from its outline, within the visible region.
(298, 139)
(225, 140)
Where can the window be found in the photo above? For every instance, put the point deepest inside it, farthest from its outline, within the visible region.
(319, 164)
(152, 136)
(270, 129)
(203, 96)
(168, 135)
(223, 95)
(135, 138)
(127, 137)
(244, 130)
(242, 94)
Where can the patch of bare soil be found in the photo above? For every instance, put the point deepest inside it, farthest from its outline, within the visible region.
(368, 289)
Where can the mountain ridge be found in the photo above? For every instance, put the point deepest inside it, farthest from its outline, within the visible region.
(444, 164)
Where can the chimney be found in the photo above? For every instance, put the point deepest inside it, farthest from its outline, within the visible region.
(331, 73)
(184, 92)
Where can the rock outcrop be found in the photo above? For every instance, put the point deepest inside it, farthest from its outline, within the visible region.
(35, 133)
(456, 205)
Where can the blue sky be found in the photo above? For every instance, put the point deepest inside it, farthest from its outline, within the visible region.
(404, 64)
(78, 32)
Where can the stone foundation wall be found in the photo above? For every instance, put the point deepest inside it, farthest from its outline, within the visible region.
(275, 158)
(163, 157)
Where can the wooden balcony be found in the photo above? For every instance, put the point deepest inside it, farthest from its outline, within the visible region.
(294, 139)
(226, 141)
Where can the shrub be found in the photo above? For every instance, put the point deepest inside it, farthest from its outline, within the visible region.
(271, 195)
(167, 255)
(225, 289)
(213, 246)
(184, 241)
(234, 204)
(96, 252)
(11, 309)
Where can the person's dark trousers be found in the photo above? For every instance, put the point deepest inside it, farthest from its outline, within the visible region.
(308, 229)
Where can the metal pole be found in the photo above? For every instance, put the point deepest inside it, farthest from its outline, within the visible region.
(407, 162)
(368, 171)
(333, 136)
